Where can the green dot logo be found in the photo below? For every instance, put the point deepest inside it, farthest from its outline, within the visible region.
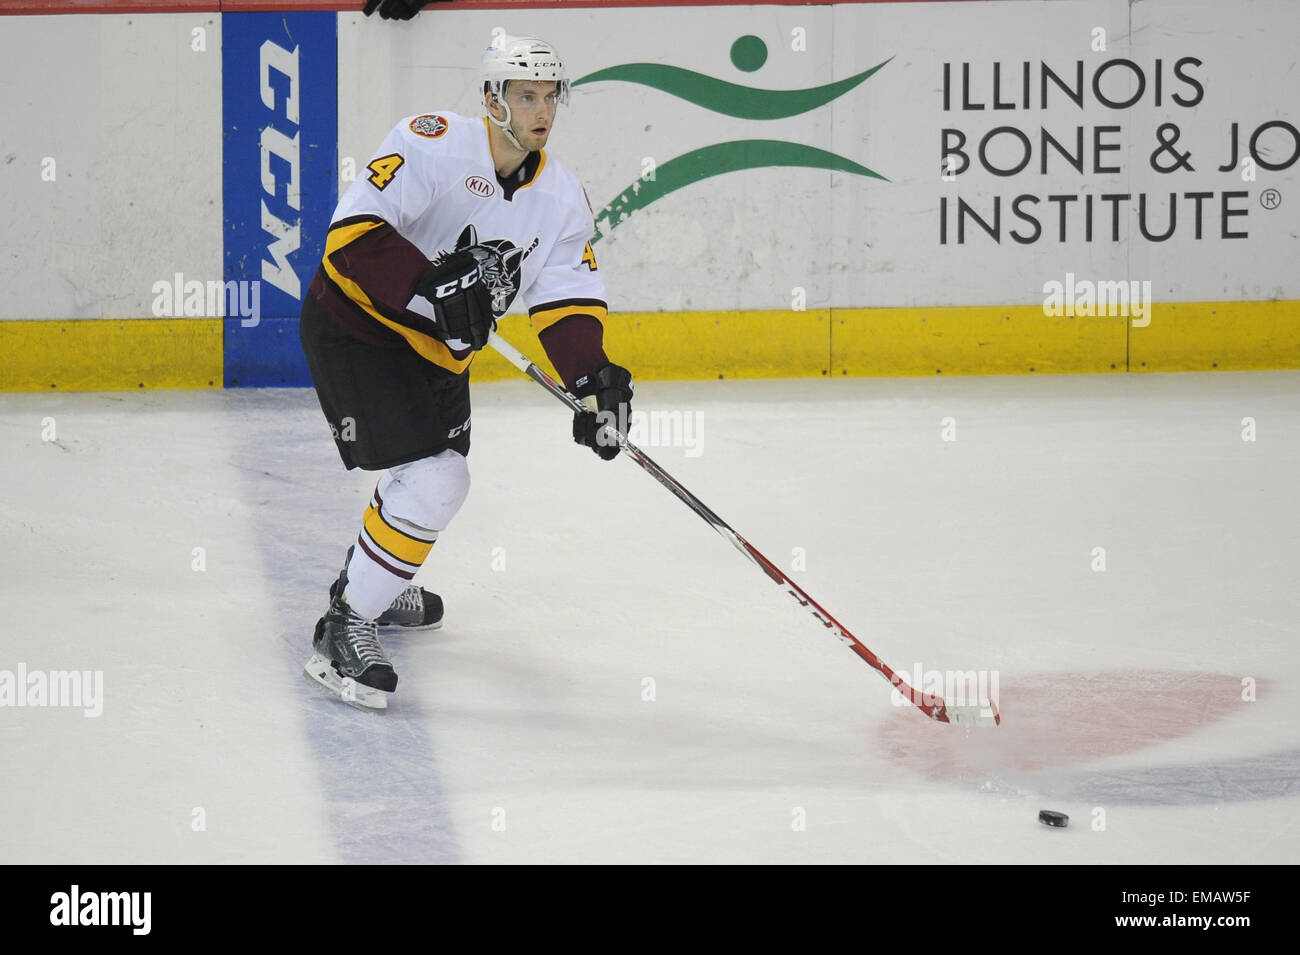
(748, 53)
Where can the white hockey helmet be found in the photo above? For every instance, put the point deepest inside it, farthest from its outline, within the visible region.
(521, 58)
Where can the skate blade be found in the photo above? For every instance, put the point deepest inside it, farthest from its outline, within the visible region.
(321, 671)
(389, 629)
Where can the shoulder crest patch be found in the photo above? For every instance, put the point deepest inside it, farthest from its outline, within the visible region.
(429, 126)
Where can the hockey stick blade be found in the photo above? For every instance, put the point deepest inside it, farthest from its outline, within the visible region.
(983, 713)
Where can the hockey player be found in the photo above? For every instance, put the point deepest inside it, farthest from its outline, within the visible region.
(454, 217)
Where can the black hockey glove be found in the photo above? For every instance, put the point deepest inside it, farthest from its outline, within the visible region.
(611, 386)
(394, 9)
(462, 305)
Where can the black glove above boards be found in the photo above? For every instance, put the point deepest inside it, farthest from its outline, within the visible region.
(611, 387)
(394, 9)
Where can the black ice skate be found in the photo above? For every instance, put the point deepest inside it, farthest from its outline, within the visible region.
(349, 661)
(414, 609)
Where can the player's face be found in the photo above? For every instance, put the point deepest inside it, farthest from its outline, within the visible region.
(532, 111)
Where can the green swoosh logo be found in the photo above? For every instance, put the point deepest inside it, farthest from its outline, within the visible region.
(730, 99)
(715, 160)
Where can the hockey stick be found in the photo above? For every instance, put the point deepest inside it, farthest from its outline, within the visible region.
(971, 714)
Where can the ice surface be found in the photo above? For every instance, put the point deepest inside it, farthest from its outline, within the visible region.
(522, 731)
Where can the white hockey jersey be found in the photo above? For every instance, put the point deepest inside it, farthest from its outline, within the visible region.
(434, 181)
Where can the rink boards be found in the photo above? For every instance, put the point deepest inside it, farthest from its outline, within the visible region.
(780, 191)
(91, 355)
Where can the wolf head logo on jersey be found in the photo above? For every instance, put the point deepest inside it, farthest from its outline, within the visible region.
(501, 260)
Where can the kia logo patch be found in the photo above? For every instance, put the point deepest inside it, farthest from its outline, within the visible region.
(480, 186)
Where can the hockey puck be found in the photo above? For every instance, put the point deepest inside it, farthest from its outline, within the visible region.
(1050, 817)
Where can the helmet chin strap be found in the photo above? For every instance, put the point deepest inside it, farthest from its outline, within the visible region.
(504, 124)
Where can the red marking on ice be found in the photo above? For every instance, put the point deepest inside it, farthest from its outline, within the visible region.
(1065, 719)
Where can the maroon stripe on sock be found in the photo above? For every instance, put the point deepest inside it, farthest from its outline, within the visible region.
(404, 574)
(387, 555)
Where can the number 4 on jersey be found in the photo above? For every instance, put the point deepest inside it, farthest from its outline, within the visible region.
(383, 170)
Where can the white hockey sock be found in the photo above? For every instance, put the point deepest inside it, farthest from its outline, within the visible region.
(372, 587)
(411, 504)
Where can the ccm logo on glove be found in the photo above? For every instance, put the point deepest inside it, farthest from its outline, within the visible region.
(462, 305)
(465, 281)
